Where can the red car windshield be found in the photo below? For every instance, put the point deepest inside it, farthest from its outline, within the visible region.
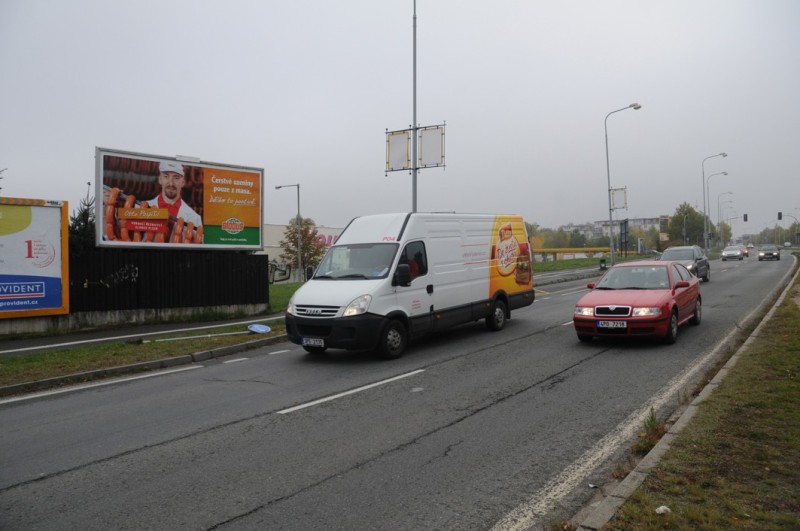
(635, 277)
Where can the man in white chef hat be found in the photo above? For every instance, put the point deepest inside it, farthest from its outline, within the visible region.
(172, 179)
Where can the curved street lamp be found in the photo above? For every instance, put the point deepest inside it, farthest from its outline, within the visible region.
(636, 107)
(703, 185)
(299, 231)
(708, 195)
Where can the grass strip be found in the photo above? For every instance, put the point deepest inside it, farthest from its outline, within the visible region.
(42, 365)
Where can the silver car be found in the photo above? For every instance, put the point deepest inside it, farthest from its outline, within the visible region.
(733, 252)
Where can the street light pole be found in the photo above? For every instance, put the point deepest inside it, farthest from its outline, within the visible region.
(708, 194)
(634, 106)
(684, 227)
(300, 274)
(703, 185)
(719, 216)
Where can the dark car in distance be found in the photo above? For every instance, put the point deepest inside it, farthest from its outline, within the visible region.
(769, 252)
(692, 257)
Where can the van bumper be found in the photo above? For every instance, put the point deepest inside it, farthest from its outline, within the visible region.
(359, 332)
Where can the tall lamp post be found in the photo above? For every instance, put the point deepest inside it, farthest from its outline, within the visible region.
(703, 185)
(708, 195)
(299, 231)
(634, 106)
(684, 227)
(719, 216)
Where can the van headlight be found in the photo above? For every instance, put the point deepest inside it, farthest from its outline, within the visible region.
(290, 307)
(358, 306)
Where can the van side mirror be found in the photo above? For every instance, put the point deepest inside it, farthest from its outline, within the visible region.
(402, 275)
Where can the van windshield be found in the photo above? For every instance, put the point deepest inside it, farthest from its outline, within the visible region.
(357, 261)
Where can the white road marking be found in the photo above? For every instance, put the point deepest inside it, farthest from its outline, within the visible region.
(573, 292)
(278, 352)
(237, 360)
(97, 384)
(346, 393)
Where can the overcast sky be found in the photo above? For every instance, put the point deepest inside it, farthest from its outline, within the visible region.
(306, 89)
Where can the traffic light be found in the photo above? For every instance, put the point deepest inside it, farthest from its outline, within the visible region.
(745, 217)
(780, 216)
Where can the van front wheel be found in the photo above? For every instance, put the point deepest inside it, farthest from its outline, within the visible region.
(393, 340)
(496, 320)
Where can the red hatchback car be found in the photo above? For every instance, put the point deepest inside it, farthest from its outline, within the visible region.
(649, 298)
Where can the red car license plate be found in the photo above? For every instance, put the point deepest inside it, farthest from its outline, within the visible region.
(612, 324)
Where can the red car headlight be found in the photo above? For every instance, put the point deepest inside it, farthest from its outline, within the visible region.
(646, 312)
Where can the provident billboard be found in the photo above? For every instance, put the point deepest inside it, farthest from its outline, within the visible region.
(162, 202)
(34, 257)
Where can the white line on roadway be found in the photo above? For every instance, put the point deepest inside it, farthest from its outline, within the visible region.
(574, 292)
(351, 392)
(237, 360)
(97, 384)
(278, 352)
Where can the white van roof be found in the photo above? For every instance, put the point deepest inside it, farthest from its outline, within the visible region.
(374, 228)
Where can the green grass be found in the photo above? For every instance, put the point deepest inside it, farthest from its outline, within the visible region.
(279, 295)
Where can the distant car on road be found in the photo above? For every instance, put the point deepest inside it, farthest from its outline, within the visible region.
(692, 257)
(787, 244)
(769, 252)
(647, 298)
(733, 252)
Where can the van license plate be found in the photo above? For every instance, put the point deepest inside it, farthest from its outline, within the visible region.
(313, 342)
(612, 324)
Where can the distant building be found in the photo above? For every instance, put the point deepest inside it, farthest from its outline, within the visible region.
(599, 229)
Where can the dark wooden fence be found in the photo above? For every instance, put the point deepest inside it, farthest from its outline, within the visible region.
(131, 279)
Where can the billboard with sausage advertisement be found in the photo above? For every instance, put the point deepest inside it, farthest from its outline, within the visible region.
(172, 202)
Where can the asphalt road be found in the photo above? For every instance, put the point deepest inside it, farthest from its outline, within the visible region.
(469, 430)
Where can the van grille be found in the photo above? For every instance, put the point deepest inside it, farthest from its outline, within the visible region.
(316, 311)
(619, 311)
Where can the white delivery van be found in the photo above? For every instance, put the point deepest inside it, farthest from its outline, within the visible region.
(391, 278)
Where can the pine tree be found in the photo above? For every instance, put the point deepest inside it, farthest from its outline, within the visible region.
(81, 228)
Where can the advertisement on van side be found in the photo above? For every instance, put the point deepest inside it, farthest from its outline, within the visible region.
(511, 269)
